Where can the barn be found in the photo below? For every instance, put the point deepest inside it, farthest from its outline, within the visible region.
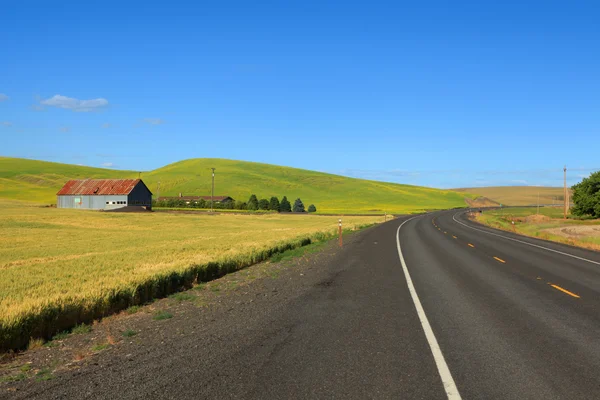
(104, 194)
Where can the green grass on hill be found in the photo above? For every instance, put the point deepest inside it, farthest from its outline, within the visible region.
(518, 195)
(39, 181)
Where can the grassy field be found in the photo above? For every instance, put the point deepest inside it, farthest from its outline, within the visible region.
(39, 181)
(518, 195)
(548, 225)
(60, 267)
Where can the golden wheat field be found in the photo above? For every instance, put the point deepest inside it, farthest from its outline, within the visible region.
(59, 267)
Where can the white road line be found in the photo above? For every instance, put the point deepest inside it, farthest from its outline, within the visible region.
(445, 375)
(527, 243)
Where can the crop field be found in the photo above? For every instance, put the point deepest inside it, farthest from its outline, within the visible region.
(519, 195)
(60, 267)
(31, 180)
(548, 225)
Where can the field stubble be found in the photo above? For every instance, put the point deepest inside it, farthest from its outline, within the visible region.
(547, 225)
(63, 267)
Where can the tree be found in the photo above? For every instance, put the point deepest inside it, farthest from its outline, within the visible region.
(298, 206)
(201, 203)
(241, 205)
(586, 196)
(253, 203)
(274, 204)
(285, 205)
(312, 208)
(263, 204)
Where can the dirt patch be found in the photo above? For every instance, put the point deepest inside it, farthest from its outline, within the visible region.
(576, 232)
(537, 219)
(481, 202)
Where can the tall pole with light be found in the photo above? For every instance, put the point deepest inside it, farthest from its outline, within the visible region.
(212, 193)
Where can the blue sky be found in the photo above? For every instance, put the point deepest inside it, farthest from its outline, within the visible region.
(444, 94)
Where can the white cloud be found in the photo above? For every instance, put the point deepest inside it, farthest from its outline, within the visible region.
(38, 107)
(65, 129)
(107, 165)
(72, 104)
(154, 121)
(3, 97)
(519, 181)
(7, 123)
(106, 125)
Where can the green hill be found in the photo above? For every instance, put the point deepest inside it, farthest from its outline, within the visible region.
(39, 181)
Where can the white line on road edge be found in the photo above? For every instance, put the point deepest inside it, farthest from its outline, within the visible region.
(447, 380)
(527, 243)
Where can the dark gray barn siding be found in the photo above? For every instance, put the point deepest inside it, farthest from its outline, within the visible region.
(140, 196)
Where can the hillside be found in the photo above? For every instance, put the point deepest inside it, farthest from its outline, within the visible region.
(39, 181)
(518, 195)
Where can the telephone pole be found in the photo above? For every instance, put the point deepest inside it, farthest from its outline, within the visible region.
(212, 193)
(566, 194)
(158, 191)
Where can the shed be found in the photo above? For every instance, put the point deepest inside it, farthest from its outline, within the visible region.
(104, 194)
(194, 199)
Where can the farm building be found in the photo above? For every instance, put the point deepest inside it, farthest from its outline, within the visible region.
(104, 194)
(194, 199)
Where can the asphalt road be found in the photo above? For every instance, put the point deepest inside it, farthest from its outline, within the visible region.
(478, 319)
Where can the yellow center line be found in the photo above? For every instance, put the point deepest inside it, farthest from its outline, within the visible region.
(470, 245)
(454, 237)
(499, 259)
(565, 291)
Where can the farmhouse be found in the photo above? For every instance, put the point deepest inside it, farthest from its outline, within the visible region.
(194, 199)
(104, 194)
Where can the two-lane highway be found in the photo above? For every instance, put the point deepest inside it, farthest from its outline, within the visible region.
(514, 317)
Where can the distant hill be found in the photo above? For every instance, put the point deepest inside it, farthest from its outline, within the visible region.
(39, 181)
(518, 195)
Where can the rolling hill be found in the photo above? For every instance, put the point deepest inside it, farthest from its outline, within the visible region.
(39, 181)
(518, 195)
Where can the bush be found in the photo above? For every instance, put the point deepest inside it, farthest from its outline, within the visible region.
(586, 196)
(285, 205)
(298, 206)
(241, 205)
(253, 203)
(312, 208)
(274, 204)
(263, 204)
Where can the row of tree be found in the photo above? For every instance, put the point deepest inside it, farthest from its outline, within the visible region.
(252, 204)
(275, 205)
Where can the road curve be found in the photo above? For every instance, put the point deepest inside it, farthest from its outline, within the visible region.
(516, 318)
(426, 307)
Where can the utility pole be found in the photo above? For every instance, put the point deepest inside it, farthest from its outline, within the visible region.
(212, 193)
(538, 211)
(565, 194)
(158, 191)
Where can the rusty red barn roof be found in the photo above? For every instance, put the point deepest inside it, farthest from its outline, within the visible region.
(99, 187)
